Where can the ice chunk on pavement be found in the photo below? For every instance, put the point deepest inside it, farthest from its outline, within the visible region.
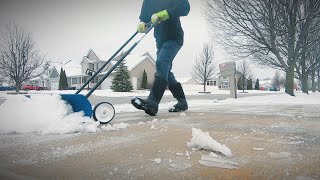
(218, 162)
(121, 125)
(187, 153)
(183, 114)
(115, 127)
(140, 123)
(214, 155)
(179, 167)
(157, 160)
(108, 128)
(205, 141)
(280, 155)
(154, 121)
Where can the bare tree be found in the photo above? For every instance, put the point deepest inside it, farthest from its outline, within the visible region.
(277, 80)
(204, 69)
(18, 57)
(308, 31)
(318, 72)
(266, 30)
(2, 80)
(246, 73)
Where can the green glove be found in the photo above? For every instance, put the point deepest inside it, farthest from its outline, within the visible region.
(141, 28)
(160, 16)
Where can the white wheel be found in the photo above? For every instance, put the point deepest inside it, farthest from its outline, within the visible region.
(103, 112)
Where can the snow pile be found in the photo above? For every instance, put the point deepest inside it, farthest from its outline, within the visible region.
(205, 141)
(45, 114)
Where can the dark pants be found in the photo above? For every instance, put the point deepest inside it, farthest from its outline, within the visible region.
(165, 56)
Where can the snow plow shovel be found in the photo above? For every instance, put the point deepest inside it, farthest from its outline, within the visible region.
(103, 112)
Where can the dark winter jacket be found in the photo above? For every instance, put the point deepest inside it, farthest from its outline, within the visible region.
(170, 29)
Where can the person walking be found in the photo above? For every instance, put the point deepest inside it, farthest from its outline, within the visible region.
(165, 14)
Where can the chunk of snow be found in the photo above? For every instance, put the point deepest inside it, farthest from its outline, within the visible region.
(218, 162)
(214, 155)
(179, 167)
(108, 128)
(114, 127)
(179, 154)
(279, 155)
(205, 141)
(121, 125)
(187, 154)
(183, 114)
(156, 160)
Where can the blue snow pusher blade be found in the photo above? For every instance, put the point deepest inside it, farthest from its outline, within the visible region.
(79, 103)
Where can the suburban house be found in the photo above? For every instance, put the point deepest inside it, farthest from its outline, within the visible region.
(221, 82)
(187, 80)
(48, 79)
(79, 74)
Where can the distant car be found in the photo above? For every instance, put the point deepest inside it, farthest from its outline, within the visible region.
(7, 88)
(32, 87)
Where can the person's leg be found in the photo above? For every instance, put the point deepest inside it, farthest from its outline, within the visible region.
(165, 56)
(177, 92)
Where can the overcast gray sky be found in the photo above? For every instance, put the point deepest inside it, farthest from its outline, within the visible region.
(66, 30)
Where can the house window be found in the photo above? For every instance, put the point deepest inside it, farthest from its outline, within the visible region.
(211, 83)
(91, 66)
(74, 80)
(225, 85)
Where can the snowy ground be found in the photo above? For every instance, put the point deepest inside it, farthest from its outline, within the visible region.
(259, 137)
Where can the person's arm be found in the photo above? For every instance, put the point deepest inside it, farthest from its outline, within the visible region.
(143, 14)
(179, 8)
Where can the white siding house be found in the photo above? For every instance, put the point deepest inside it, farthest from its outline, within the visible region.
(136, 64)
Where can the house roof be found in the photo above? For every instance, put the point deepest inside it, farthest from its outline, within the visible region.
(265, 81)
(185, 79)
(133, 60)
(72, 70)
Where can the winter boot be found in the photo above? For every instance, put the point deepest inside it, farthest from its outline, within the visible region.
(150, 105)
(177, 92)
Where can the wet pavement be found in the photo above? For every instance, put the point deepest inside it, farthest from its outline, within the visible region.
(267, 142)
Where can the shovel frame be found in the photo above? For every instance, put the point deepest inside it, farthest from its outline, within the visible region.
(84, 103)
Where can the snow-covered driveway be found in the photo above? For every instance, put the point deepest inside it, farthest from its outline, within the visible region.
(270, 137)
